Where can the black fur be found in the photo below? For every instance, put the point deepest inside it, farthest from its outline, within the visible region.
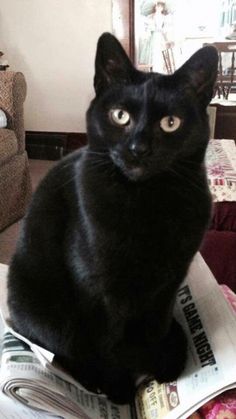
(112, 229)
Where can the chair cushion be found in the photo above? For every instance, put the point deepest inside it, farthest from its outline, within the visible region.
(15, 189)
(8, 144)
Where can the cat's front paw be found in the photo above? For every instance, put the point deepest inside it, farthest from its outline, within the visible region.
(172, 355)
(120, 391)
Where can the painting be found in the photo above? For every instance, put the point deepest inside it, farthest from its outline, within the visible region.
(167, 32)
(153, 34)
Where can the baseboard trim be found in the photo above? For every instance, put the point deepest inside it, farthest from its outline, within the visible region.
(49, 145)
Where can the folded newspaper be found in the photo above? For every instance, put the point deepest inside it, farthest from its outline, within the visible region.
(33, 387)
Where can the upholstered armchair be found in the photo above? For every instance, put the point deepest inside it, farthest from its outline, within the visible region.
(15, 185)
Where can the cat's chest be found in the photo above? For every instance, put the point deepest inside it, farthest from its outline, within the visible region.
(132, 226)
(148, 217)
(141, 235)
(161, 203)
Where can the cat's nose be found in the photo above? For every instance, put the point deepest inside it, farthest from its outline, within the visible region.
(139, 149)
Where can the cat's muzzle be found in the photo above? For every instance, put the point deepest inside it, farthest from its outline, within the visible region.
(132, 169)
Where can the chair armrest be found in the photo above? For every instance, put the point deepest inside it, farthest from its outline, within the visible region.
(12, 97)
(8, 145)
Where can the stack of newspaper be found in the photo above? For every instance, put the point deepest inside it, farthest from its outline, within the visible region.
(33, 387)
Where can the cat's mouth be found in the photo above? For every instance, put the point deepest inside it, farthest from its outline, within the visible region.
(133, 170)
(134, 173)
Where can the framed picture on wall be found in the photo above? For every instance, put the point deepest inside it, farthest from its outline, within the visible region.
(161, 35)
(143, 27)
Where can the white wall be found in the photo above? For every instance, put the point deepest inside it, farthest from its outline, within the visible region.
(53, 43)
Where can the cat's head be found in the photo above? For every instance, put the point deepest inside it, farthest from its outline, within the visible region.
(145, 122)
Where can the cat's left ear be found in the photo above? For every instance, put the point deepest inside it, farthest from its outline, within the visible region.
(112, 65)
(200, 72)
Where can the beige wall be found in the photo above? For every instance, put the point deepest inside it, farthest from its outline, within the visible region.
(53, 43)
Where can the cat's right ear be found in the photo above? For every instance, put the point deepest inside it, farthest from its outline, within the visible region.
(112, 65)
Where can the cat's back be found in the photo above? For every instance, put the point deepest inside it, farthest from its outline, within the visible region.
(40, 246)
(59, 179)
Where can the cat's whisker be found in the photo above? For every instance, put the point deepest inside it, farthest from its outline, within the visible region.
(100, 163)
(97, 153)
(65, 166)
(194, 164)
(187, 180)
(99, 157)
(96, 164)
(72, 178)
(186, 169)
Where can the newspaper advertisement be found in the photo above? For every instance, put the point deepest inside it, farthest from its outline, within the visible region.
(210, 325)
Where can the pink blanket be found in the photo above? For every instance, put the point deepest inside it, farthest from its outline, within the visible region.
(219, 245)
(221, 169)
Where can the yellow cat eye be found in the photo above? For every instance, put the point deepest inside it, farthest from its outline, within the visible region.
(170, 123)
(119, 116)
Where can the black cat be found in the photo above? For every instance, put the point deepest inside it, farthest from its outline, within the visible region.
(112, 229)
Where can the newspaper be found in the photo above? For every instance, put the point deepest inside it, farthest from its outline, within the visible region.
(28, 376)
(29, 379)
(210, 325)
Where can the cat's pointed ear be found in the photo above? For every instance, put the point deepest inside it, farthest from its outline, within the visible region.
(200, 72)
(112, 65)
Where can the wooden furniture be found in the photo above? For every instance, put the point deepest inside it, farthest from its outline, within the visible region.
(123, 25)
(226, 79)
(225, 125)
(147, 68)
(168, 57)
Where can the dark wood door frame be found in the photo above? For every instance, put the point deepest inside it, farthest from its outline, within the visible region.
(123, 25)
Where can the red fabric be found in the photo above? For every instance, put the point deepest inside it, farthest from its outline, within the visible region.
(219, 245)
(224, 216)
(219, 251)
